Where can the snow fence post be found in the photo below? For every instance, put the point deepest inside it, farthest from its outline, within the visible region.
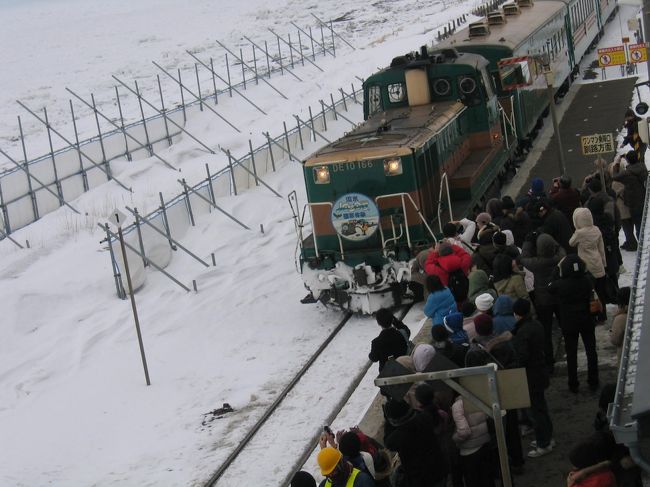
(119, 107)
(26, 166)
(82, 169)
(118, 221)
(57, 183)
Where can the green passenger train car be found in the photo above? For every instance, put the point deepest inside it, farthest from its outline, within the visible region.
(441, 127)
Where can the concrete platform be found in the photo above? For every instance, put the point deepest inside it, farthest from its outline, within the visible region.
(594, 109)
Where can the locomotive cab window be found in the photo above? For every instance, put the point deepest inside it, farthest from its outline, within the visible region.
(374, 100)
(396, 92)
(441, 87)
(469, 90)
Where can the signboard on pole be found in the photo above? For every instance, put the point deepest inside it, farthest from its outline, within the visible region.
(639, 52)
(597, 144)
(611, 56)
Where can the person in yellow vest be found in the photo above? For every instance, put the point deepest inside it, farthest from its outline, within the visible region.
(340, 473)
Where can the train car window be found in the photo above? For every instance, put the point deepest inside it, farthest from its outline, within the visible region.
(442, 87)
(374, 100)
(396, 92)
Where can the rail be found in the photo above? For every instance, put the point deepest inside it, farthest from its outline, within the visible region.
(401, 313)
(267, 414)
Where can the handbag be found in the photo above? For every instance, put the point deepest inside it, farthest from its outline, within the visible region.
(595, 306)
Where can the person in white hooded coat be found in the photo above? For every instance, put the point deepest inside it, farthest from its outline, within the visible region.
(591, 249)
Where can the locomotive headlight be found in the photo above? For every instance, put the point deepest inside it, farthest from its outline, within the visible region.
(393, 167)
(321, 175)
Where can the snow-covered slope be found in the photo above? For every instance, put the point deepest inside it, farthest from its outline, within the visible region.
(74, 408)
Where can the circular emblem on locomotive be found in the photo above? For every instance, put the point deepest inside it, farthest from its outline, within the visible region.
(355, 216)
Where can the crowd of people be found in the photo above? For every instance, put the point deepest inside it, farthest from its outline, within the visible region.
(493, 288)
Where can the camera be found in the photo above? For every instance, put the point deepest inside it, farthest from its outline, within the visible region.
(328, 430)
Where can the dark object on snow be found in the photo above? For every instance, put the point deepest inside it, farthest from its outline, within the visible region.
(217, 413)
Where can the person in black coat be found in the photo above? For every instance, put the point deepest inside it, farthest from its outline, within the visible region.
(574, 290)
(412, 434)
(555, 224)
(565, 198)
(529, 348)
(633, 178)
(540, 255)
(392, 340)
(453, 351)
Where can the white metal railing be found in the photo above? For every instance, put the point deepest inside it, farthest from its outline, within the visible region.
(444, 179)
(406, 223)
(508, 121)
(311, 216)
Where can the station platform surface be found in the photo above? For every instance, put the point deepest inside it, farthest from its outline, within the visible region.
(597, 108)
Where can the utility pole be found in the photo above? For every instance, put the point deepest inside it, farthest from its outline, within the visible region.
(551, 103)
(117, 218)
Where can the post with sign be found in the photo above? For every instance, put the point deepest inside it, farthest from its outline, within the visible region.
(116, 219)
(611, 56)
(598, 144)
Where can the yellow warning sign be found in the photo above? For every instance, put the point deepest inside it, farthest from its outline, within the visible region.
(611, 56)
(597, 144)
(638, 53)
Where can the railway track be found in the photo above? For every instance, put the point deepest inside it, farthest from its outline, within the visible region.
(337, 375)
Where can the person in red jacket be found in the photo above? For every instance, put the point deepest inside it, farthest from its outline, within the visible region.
(445, 259)
(591, 465)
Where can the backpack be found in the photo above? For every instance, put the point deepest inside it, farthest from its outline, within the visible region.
(458, 284)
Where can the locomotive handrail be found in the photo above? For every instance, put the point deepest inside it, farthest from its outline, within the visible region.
(396, 238)
(444, 178)
(311, 216)
(406, 223)
(508, 120)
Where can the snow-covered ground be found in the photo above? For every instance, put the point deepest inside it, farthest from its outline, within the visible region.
(74, 407)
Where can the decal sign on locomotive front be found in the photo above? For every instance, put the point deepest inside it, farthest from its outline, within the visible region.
(355, 216)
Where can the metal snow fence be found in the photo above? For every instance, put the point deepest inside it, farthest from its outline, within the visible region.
(174, 217)
(82, 165)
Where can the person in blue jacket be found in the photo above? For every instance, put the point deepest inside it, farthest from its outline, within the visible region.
(503, 319)
(440, 301)
(453, 322)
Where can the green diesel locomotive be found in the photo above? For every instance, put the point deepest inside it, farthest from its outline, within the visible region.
(441, 126)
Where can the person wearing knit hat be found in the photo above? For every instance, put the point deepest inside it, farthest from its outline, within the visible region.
(537, 186)
(521, 308)
(484, 302)
(499, 238)
(483, 324)
(590, 459)
(528, 343)
(453, 351)
(507, 203)
(483, 219)
(397, 412)
(453, 322)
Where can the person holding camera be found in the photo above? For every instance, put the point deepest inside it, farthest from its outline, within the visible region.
(565, 198)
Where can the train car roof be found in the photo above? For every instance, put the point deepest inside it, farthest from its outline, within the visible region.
(514, 32)
(388, 134)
